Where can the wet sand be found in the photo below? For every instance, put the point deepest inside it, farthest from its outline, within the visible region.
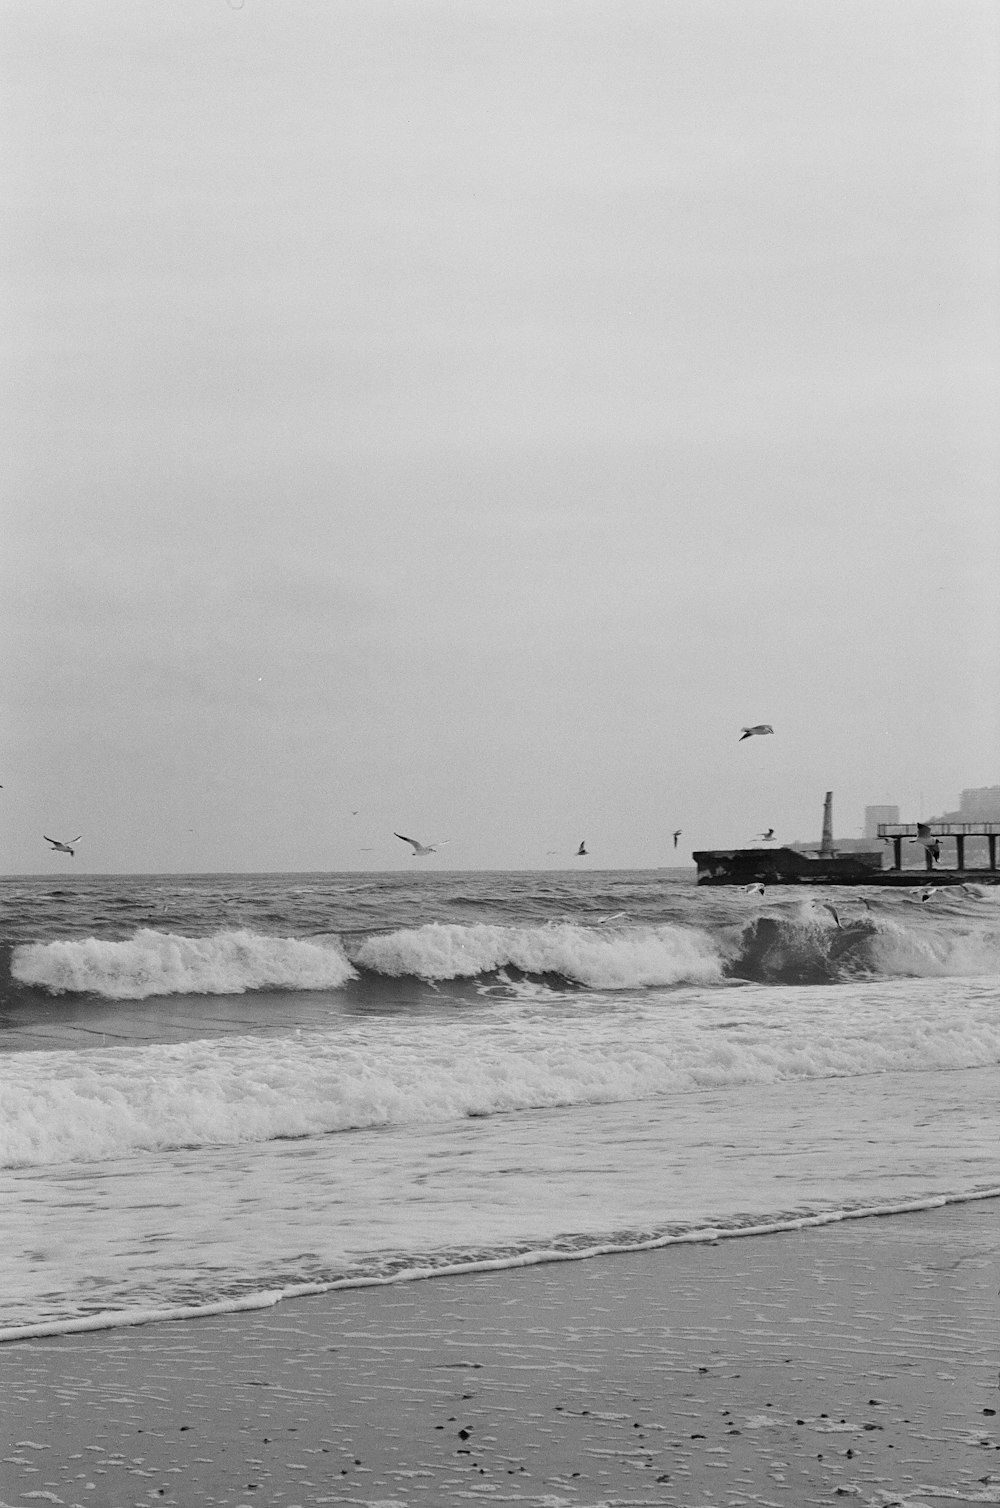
(856, 1361)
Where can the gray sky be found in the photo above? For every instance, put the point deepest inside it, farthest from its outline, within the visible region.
(474, 413)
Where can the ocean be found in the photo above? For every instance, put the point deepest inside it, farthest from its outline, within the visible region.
(219, 1091)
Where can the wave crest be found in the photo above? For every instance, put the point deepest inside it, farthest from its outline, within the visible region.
(623, 959)
(164, 963)
(805, 942)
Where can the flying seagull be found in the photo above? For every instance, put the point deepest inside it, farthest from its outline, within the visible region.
(767, 837)
(421, 850)
(63, 847)
(757, 728)
(833, 912)
(582, 850)
(677, 835)
(928, 891)
(757, 889)
(925, 837)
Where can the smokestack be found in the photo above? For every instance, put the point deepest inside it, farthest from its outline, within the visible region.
(826, 850)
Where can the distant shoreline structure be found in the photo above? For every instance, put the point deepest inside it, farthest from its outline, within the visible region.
(825, 866)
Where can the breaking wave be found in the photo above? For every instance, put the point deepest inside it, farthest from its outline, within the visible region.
(631, 958)
(162, 963)
(803, 942)
(108, 1102)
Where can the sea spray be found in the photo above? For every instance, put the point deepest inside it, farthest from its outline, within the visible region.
(163, 963)
(60, 1106)
(626, 958)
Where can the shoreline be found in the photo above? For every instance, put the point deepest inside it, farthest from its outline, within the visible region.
(857, 1357)
(700, 1235)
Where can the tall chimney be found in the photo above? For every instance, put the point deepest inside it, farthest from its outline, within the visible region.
(826, 849)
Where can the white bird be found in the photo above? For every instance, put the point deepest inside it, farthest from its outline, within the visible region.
(926, 838)
(757, 889)
(757, 728)
(833, 912)
(582, 850)
(63, 847)
(768, 836)
(421, 850)
(928, 891)
(677, 834)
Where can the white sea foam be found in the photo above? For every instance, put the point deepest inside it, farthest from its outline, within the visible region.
(935, 950)
(112, 1102)
(417, 1271)
(628, 958)
(804, 943)
(163, 963)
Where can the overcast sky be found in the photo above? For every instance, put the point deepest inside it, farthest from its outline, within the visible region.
(471, 414)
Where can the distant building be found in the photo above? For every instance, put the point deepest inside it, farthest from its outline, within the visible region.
(980, 805)
(876, 814)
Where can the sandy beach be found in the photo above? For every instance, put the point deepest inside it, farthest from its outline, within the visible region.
(852, 1361)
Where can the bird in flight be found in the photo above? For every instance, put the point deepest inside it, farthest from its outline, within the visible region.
(582, 850)
(833, 912)
(928, 891)
(757, 889)
(677, 834)
(63, 847)
(926, 837)
(757, 728)
(421, 850)
(768, 836)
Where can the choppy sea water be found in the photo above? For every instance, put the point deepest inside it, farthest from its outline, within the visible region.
(216, 1091)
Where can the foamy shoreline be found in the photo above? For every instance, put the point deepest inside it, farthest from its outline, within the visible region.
(859, 1357)
(535, 1257)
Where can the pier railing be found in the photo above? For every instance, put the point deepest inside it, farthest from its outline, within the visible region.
(895, 832)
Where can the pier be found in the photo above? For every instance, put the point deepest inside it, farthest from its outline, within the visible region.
(826, 865)
(898, 832)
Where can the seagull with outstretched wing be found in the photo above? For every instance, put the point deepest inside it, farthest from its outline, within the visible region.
(757, 728)
(421, 850)
(63, 847)
(677, 833)
(930, 844)
(582, 850)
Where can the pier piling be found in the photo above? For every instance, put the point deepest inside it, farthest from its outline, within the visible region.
(898, 832)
